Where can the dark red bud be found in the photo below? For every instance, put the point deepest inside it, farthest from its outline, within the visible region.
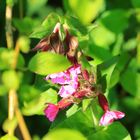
(103, 102)
(56, 44)
(85, 74)
(81, 94)
(72, 59)
(63, 103)
(43, 45)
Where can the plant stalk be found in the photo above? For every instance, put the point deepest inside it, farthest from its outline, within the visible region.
(94, 116)
(12, 95)
(9, 34)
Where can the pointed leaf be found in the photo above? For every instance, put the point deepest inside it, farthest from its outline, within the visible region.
(64, 134)
(114, 131)
(46, 63)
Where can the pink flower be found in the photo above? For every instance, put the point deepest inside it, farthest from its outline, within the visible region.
(68, 79)
(59, 78)
(74, 71)
(110, 116)
(66, 76)
(66, 91)
(51, 112)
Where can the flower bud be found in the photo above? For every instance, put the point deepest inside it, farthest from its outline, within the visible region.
(103, 102)
(85, 74)
(65, 102)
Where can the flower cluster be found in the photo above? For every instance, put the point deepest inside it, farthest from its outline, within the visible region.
(72, 89)
(75, 83)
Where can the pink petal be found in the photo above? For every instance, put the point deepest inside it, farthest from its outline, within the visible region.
(51, 112)
(59, 78)
(66, 91)
(117, 114)
(74, 71)
(110, 116)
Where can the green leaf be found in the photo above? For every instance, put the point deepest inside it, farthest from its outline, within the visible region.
(85, 10)
(72, 110)
(107, 68)
(8, 137)
(114, 131)
(81, 121)
(113, 22)
(138, 55)
(64, 134)
(27, 93)
(37, 105)
(136, 3)
(86, 103)
(117, 47)
(102, 37)
(129, 81)
(25, 25)
(11, 79)
(46, 63)
(98, 53)
(120, 66)
(47, 26)
(34, 6)
(76, 25)
(130, 44)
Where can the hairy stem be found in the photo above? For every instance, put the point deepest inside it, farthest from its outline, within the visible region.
(20, 9)
(9, 40)
(9, 34)
(12, 96)
(21, 122)
(11, 106)
(16, 54)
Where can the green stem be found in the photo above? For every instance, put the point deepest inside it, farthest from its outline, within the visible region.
(94, 111)
(138, 50)
(20, 9)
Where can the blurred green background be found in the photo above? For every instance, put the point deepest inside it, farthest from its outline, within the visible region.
(114, 30)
